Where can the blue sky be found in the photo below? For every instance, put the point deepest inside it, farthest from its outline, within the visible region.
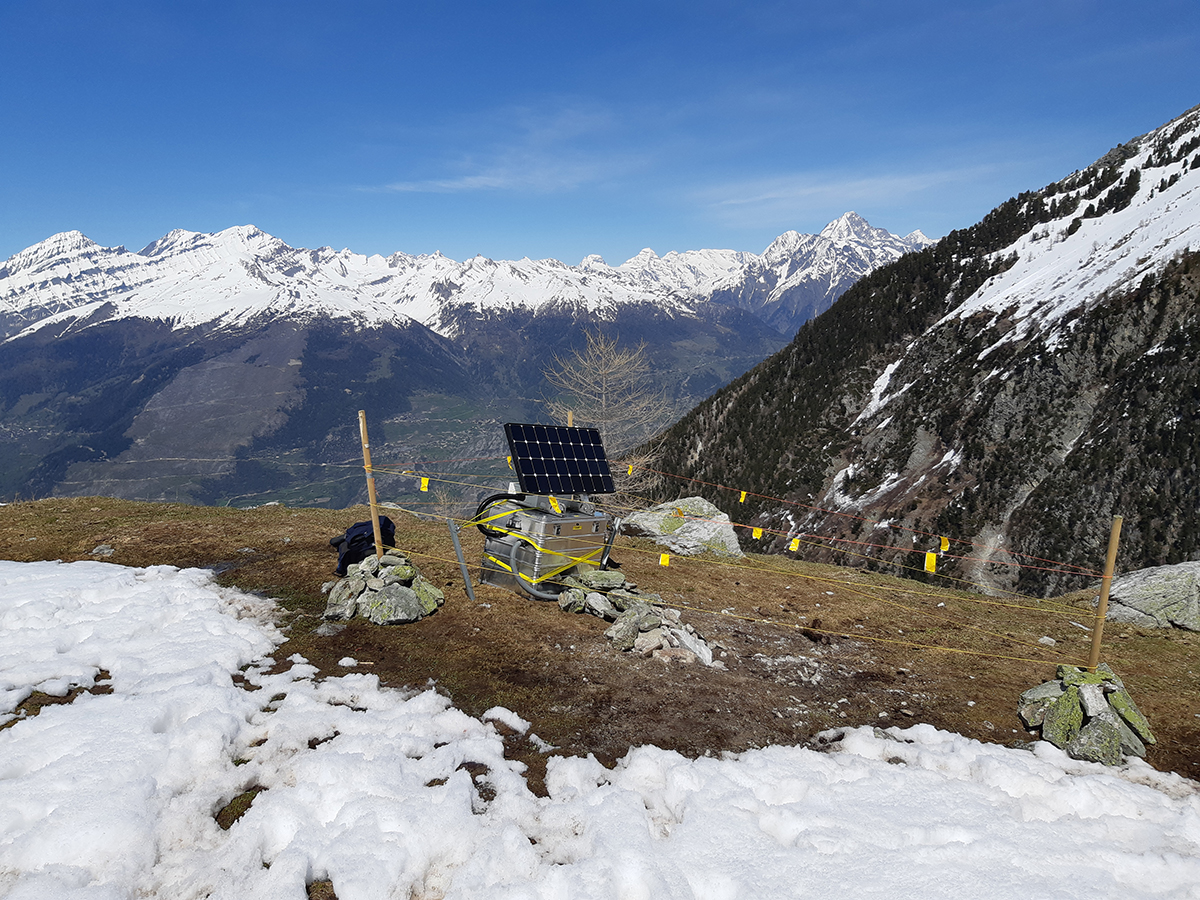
(551, 129)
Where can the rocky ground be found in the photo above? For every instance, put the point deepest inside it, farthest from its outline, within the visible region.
(801, 647)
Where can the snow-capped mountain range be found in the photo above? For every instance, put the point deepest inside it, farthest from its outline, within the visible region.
(243, 274)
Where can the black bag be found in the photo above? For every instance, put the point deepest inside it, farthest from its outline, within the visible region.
(359, 542)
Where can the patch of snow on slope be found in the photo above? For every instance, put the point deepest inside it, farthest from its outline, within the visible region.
(1056, 272)
(113, 795)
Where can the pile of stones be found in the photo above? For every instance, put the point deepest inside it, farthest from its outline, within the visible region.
(640, 622)
(1090, 715)
(387, 590)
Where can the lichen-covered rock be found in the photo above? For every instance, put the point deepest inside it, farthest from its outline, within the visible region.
(1032, 714)
(1107, 670)
(392, 559)
(624, 631)
(598, 579)
(394, 605)
(1047, 690)
(1064, 718)
(1070, 675)
(1131, 744)
(622, 599)
(343, 599)
(597, 604)
(1097, 741)
(430, 597)
(400, 574)
(688, 527)
(1159, 597)
(1120, 701)
(369, 566)
(1088, 714)
(572, 600)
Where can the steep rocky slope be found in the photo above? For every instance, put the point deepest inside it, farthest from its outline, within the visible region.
(1011, 388)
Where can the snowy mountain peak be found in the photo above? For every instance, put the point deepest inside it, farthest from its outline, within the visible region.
(241, 273)
(848, 227)
(54, 247)
(171, 241)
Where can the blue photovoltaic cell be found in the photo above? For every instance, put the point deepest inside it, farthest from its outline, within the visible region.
(555, 459)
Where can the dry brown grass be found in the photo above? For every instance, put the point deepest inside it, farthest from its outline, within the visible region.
(888, 650)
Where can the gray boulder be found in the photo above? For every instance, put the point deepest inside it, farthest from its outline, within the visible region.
(394, 605)
(343, 598)
(682, 638)
(1063, 719)
(597, 604)
(687, 527)
(429, 596)
(598, 579)
(1099, 740)
(1160, 597)
(624, 632)
(572, 600)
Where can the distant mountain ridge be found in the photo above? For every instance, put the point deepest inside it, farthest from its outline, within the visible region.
(1012, 388)
(242, 273)
(230, 367)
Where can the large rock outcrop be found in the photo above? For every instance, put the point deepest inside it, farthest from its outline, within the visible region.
(1159, 597)
(688, 527)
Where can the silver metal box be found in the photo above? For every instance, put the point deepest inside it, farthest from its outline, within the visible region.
(531, 549)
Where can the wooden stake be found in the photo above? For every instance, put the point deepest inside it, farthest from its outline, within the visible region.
(570, 418)
(362, 428)
(1110, 563)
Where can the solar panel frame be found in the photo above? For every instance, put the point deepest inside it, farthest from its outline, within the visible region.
(558, 459)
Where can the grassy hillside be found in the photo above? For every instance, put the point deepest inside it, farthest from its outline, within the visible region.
(805, 647)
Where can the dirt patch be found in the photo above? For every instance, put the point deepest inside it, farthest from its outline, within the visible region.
(804, 647)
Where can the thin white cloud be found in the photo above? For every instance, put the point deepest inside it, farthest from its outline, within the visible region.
(751, 203)
(522, 150)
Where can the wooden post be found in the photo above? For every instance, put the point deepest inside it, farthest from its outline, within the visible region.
(570, 418)
(1110, 563)
(362, 428)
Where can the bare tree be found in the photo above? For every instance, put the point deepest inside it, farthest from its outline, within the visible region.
(609, 388)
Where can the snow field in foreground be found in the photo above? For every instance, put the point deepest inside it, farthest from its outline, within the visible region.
(114, 795)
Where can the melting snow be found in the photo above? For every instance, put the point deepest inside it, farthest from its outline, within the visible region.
(113, 795)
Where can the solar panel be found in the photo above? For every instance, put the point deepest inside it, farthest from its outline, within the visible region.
(557, 459)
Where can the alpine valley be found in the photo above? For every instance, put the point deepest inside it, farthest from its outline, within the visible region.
(229, 367)
(1011, 389)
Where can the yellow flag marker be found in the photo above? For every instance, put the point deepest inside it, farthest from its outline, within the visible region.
(945, 544)
(631, 468)
(424, 484)
(931, 561)
(664, 559)
(757, 533)
(794, 545)
(554, 505)
(742, 499)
